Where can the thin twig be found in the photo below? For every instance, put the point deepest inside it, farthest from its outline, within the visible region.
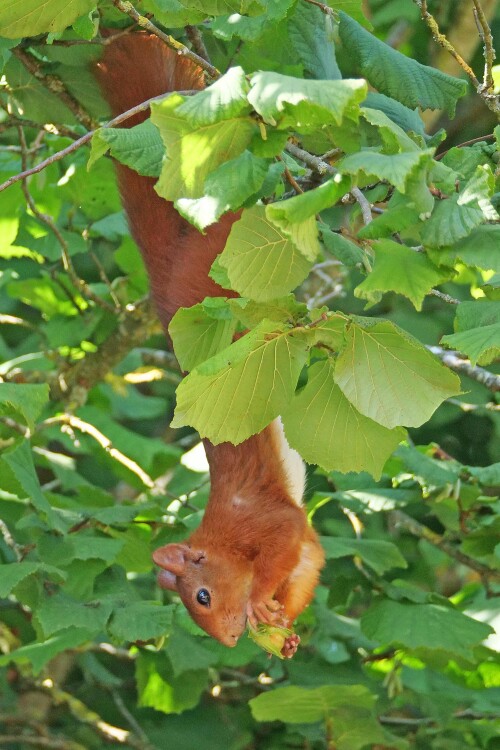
(322, 168)
(84, 714)
(9, 540)
(290, 178)
(466, 407)
(489, 50)
(441, 39)
(487, 137)
(38, 741)
(196, 39)
(126, 7)
(79, 283)
(88, 429)
(444, 297)
(323, 8)
(403, 521)
(105, 280)
(464, 367)
(12, 122)
(128, 716)
(364, 204)
(85, 139)
(55, 86)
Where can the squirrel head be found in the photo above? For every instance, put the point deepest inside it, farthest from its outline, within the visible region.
(213, 587)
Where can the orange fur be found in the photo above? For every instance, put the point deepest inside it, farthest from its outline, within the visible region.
(254, 547)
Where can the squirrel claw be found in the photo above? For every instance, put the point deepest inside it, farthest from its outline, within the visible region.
(269, 611)
(290, 646)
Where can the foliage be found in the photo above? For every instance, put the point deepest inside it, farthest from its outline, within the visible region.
(352, 216)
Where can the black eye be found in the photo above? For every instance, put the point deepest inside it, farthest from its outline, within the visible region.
(203, 597)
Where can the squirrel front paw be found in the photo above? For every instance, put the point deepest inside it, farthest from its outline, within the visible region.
(269, 611)
(290, 646)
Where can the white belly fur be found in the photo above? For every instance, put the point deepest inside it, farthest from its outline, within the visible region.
(293, 465)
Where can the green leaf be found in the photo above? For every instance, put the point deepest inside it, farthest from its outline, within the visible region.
(302, 207)
(477, 326)
(20, 461)
(400, 269)
(30, 17)
(390, 377)
(299, 705)
(428, 626)
(199, 332)
(407, 119)
(379, 555)
(313, 43)
(261, 262)
(140, 621)
(398, 169)
(481, 248)
(348, 709)
(251, 313)
(26, 400)
(226, 188)
(398, 76)
(14, 573)
(59, 611)
(392, 135)
(400, 214)
(38, 654)
(194, 152)
(188, 652)
(159, 688)
(140, 148)
(174, 13)
(456, 217)
(273, 94)
(224, 99)
(326, 429)
(346, 251)
(243, 388)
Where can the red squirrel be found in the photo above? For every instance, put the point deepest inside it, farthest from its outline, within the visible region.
(254, 555)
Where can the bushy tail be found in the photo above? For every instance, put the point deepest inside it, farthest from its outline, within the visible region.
(136, 67)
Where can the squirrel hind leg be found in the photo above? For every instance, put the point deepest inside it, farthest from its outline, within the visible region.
(298, 589)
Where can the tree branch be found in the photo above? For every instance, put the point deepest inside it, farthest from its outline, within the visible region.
(465, 37)
(126, 7)
(489, 50)
(417, 529)
(135, 325)
(464, 367)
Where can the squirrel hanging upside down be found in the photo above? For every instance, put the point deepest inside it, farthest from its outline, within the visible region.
(254, 555)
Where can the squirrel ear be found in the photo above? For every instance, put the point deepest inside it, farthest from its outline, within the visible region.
(172, 558)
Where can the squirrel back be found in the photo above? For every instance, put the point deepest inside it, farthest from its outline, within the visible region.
(254, 555)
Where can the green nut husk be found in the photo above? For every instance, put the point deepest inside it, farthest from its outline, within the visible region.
(271, 638)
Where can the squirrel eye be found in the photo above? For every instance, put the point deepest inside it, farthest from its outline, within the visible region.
(203, 597)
